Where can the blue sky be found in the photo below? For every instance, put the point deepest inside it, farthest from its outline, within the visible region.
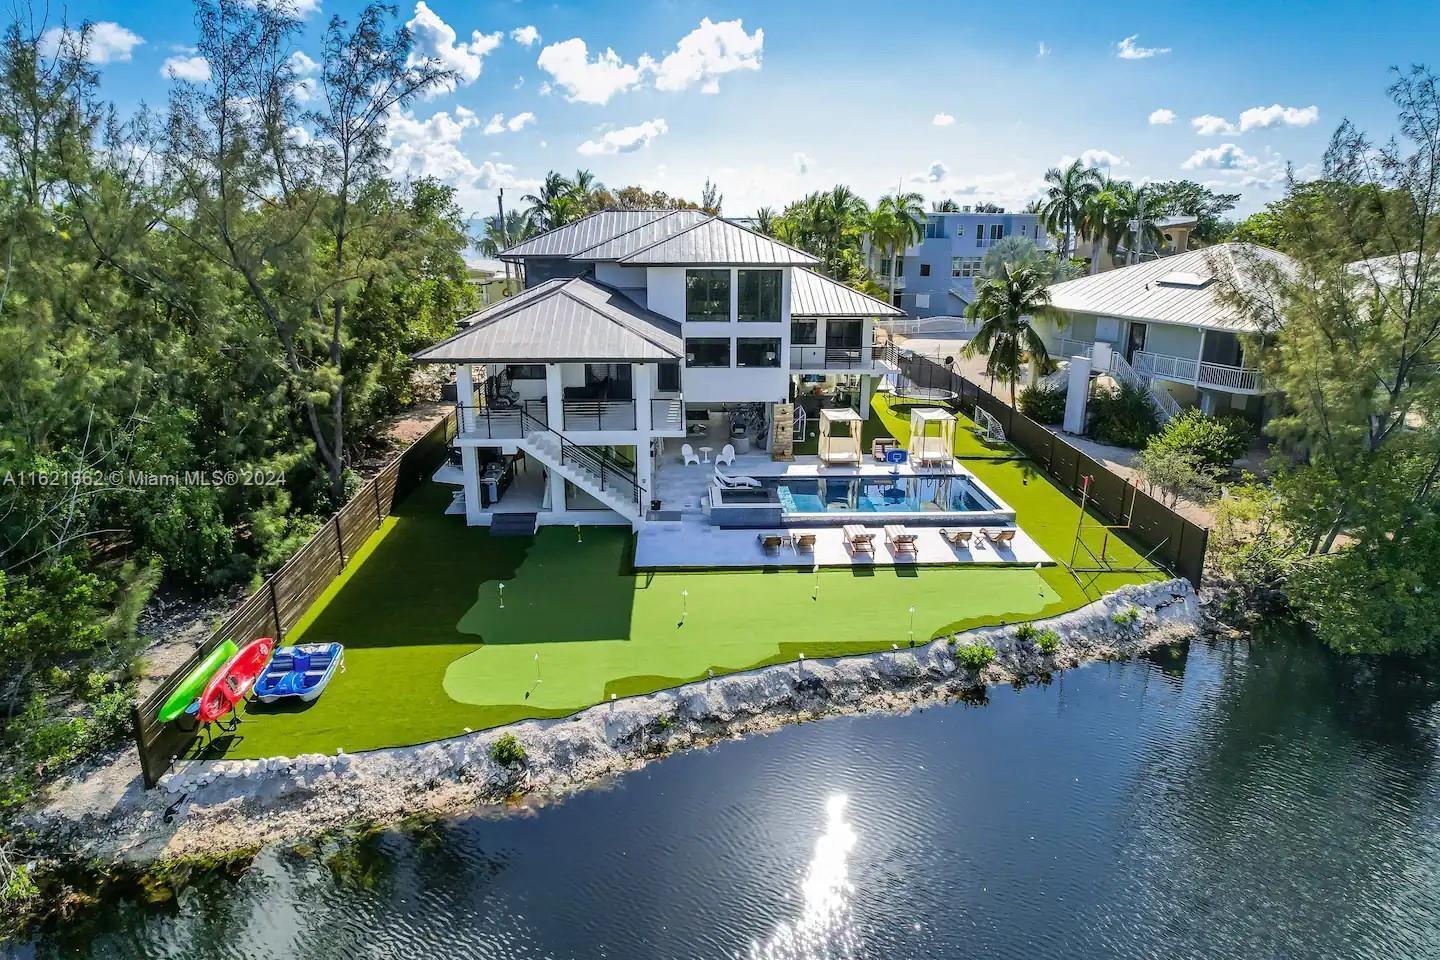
(774, 99)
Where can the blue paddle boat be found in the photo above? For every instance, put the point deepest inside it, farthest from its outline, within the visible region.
(299, 672)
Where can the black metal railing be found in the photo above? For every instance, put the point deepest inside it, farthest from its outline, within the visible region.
(836, 358)
(599, 414)
(498, 421)
(611, 473)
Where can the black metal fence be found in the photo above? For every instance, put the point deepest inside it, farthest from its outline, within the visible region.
(284, 597)
(1167, 537)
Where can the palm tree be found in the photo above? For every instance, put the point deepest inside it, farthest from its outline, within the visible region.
(518, 227)
(1067, 192)
(1130, 201)
(1103, 221)
(896, 222)
(1006, 307)
(945, 206)
(555, 204)
(765, 221)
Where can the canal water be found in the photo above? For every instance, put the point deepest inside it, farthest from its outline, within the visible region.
(1217, 800)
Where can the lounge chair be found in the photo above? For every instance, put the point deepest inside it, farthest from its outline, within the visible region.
(805, 542)
(735, 483)
(901, 540)
(687, 454)
(957, 538)
(726, 455)
(770, 542)
(1000, 537)
(858, 539)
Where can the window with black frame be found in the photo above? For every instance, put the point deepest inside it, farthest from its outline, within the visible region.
(757, 352)
(803, 332)
(707, 296)
(759, 297)
(707, 352)
(667, 376)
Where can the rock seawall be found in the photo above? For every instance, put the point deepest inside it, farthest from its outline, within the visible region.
(211, 807)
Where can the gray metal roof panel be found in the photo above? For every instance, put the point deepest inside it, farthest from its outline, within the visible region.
(573, 319)
(583, 233)
(643, 236)
(718, 241)
(816, 295)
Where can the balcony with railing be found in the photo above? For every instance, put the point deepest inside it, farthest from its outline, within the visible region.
(498, 420)
(1201, 373)
(667, 416)
(595, 415)
(835, 358)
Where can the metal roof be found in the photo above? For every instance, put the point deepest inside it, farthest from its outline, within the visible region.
(1139, 292)
(584, 233)
(718, 241)
(816, 295)
(643, 236)
(565, 319)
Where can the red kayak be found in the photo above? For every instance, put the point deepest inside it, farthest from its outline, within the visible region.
(233, 681)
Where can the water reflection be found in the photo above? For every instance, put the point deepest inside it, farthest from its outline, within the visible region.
(826, 926)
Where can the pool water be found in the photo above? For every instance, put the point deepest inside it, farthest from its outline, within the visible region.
(892, 494)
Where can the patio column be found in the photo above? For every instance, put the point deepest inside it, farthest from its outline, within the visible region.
(1200, 357)
(470, 466)
(865, 388)
(642, 382)
(555, 415)
(465, 396)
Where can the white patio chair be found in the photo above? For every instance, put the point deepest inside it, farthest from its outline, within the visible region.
(687, 453)
(736, 483)
(726, 455)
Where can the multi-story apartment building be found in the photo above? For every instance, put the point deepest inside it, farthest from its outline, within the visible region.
(935, 277)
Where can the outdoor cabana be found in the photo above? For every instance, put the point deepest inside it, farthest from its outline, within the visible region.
(932, 435)
(840, 435)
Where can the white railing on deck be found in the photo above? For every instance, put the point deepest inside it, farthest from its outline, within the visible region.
(1198, 372)
(1164, 403)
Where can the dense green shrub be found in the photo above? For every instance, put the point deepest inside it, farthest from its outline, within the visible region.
(1123, 415)
(1047, 641)
(1043, 404)
(975, 656)
(507, 751)
(1215, 442)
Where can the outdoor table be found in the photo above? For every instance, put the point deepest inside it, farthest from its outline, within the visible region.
(705, 454)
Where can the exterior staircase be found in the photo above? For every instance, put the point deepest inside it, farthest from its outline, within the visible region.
(1165, 405)
(611, 483)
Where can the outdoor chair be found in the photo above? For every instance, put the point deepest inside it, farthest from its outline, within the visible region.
(687, 453)
(1000, 537)
(805, 542)
(770, 542)
(901, 540)
(957, 538)
(858, 539)
(726, 455)
(735, 483)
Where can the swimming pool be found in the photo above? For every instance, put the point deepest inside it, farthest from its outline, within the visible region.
(878, 494)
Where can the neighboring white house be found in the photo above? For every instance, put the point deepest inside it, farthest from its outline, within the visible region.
(1164, 322)
(637, 330)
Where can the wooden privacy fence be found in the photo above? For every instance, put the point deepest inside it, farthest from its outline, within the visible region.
(283, 598)
(1167, 537)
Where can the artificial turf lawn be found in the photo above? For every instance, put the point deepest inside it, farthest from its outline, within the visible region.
(429, 652)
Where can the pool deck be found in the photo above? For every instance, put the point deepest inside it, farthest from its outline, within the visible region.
(693, 543)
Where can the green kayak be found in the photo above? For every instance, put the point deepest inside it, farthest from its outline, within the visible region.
(195, 681)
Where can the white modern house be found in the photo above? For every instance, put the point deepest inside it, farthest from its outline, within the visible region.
(1166, 324)
(640, 331)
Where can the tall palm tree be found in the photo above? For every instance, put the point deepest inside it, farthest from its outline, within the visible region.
(555, 204)
(518, 227)
(945, 206)
(896, 222)
(765, 221)
(1066, 194)
(1006, 307)
(1140, 231)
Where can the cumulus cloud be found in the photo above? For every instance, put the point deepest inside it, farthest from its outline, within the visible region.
(625, 139)
(942, 120)
(1227, 156)
(936, 173)
(586, 80)
(108, 42)
(1096, 158)
(1127, 49)
(436, 41)
(1162, 117)
(430, 147)
(1262, 118)
(526, 36)
(709, 52)
(1209, 125)
(498, 123)
(1043, 51)
(193, 69)
(802, 162)
(307, 87)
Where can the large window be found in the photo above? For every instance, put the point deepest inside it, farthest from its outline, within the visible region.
(803, 332)
(965, 266)
(757, 352)
(667, 376)
(934, 228)
(525, 371)
(707, 295)
(997, 232)
(759, 296)
(707, 352)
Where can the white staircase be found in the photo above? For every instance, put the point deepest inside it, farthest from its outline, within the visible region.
(585, 471)
(1165, 405)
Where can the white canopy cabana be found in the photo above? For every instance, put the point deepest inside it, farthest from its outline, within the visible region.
(842, 446)
(932, 435)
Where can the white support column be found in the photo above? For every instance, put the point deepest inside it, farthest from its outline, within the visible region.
(642, 382)
(555, 413)
(1200, 357)
(470, 467)
(1077, 394)
(865, 396)
(465, 396)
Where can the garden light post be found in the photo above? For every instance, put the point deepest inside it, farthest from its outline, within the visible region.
(684, 605)
(815, 594)
(912, 626)
(578, 538)
(502, 596)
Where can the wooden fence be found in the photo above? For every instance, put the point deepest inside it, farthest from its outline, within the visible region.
(1169, 538)
(283, 598)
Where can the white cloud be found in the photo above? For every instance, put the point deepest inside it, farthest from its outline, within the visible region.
(942, 120)
(108, 42)
(498, 123)
(709, 52)
(802, 162)
(306, 89)
(301, 63)
(625, 139)
(526, 36)
(1227, 156)
(937, 172)
(586, 80)
(1162, 117)
(1262, 118)
(1209, 125)
(1043, 51)
(1127, 50)
(193, 69)
(435, 40)
(1096, 158)
(303, 8)
(431, 148)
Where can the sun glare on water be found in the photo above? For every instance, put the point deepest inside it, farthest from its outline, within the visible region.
(825, 927)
